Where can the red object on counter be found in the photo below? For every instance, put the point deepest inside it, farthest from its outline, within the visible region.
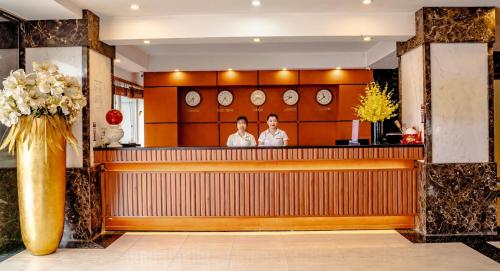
(114, 117)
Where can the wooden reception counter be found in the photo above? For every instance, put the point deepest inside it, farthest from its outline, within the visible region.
(290, 188)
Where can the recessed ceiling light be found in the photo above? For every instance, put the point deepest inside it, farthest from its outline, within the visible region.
(367, 38)
(176, 70)
(256, 40)
(256, 3)
(134, 7)
(229, 70)
(117, 60)
(367, 2)
(284, 69)
(338, 68)
(147, 42)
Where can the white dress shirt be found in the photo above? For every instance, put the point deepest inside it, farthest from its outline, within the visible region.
(236, 140)
(266, 138)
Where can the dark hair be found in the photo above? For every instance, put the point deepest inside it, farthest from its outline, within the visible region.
(272, 115)
(242, 118)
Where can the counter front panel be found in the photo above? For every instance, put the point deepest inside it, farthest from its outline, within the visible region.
(259, 188)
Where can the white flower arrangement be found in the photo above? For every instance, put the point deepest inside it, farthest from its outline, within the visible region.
(40, 106)
(44, 92)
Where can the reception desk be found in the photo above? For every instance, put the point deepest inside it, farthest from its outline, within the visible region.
(290, 188)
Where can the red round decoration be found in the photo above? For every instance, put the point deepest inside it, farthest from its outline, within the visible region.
(114, 117)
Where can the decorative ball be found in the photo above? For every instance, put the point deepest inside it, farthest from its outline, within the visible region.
(114, 117)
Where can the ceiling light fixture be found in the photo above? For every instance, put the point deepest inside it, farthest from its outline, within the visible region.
(134, 7)
(147, 42)
(256, 3)
(284, 69)
(256, 40)
(176, 70)
(367, 2)
(338, 68)
(117, 60)
(367, 38)
(229, 70)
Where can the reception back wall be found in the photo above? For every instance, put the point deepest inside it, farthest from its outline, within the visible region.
(171, 121)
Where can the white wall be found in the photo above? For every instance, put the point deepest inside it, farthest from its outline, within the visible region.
(100, 89)
(459, 87)
(69, 60)
(412, 83)
(8, 61)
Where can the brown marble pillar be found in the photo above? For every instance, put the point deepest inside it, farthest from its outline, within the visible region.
(83, 198)
(455, 198)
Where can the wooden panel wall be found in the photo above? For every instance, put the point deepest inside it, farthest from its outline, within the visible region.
(303, 122)
(271, 194)
(160, 116)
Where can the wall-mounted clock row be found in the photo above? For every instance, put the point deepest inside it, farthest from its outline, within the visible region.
(258, 97)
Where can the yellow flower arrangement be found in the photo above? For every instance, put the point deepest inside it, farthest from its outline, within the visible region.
(376, 105)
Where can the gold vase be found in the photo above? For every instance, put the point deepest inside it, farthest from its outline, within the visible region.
(41, 184)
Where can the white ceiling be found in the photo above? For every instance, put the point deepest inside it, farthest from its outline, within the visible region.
(176, 7)
(218, 34)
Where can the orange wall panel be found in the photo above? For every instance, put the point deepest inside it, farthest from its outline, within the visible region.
(289, 127)
(348, 98)
(160, 104)
(199, 135)
(237, 78)
(328, 77)
(326, 133)
(311, 110)
(317, 133)
(241, 106)
(160, 135)
(180, 79)
(230, 128)
(274, 104)
(206, 111)
(278, 78)
(344, 130)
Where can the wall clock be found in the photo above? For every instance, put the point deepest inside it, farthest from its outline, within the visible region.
(324, 96)
(290, 97)
(225, 98)
(258, 97)
(192, 98)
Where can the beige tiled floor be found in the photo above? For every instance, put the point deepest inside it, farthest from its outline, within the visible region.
(309, 251)
(497, 244)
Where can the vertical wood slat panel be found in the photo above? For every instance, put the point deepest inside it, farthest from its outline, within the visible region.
(176, 155)
(336, 193)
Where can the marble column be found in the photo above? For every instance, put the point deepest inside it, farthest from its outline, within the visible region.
(446, 88)
(73, 40)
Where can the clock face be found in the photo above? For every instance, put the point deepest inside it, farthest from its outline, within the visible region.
(225, 97)
(258, 97)
(324, 96)
(193, 98)
(290, 97)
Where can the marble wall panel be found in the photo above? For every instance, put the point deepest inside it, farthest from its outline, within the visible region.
(10, 35)
(412, 88)
(457, 199)
(69, 60)
(83, 221)
(459, 90)
(10, 233)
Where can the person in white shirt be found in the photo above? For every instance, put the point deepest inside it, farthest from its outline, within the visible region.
(241, 138)
(273, 136)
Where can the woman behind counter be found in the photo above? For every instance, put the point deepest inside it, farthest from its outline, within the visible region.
(241, 138)
(273, 137)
